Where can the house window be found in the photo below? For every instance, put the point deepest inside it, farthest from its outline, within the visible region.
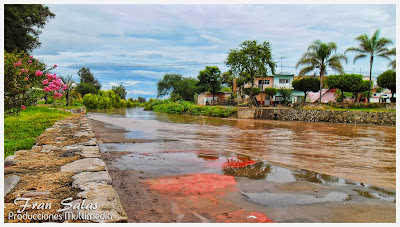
(283, 81)
(278, 98)
(266, 82)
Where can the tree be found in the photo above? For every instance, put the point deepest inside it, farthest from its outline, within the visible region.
(141, 99)
(227, 79)
(87, 77)
(120, 91)
(68, 81)
(21, 25)
(209, 80)
(361, 88)
(321, 55)
(306, 85)
(271, 91)
(388, 80)
(176, 84)
(88, 84)
(168, 84)
(347, 83)
(86, 88)
(250, 61)
(286, 94)
(371, 47)
(252, 90)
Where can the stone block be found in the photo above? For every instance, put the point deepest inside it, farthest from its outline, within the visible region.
(84, 165)
(101, 177)
(10, 182)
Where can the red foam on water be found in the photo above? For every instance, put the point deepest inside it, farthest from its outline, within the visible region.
(197, 183)
(237, 164)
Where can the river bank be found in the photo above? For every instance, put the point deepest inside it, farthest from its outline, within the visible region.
(64, 163)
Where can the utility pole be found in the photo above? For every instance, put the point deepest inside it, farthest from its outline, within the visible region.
(281, 62)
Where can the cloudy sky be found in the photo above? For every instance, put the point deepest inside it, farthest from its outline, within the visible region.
(137, 44)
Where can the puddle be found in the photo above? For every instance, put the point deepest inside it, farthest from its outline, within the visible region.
(285, 199)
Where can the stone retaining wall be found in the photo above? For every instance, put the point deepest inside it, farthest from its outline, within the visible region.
(353, 117)
(69, 152)
(349, 105)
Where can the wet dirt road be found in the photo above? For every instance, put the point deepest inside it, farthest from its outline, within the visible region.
(173, 168)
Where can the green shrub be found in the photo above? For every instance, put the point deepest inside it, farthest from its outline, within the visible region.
(106, 100)
(189, 108)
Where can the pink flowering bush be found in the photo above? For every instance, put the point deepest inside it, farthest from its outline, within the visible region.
(26, 80)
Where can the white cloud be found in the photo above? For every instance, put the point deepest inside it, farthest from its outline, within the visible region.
(130, 83)
(138, 92)
(163, 37)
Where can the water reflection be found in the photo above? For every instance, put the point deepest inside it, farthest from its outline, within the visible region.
(304, 175)
(254, 171)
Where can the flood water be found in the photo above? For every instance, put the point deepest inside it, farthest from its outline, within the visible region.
(274, 163)
(363, 153)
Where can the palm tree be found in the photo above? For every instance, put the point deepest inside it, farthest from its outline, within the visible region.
(68, 81)
(371, 47)
(392, 63)
(321, 55)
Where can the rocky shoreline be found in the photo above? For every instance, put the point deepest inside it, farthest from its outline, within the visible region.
(63, 169)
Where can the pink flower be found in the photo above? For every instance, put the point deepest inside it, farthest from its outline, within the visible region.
(39, 73)
(46, 89)
(30, 57)
(45, 82)
(26, 78)
(55, 66)
(23, 107)
(17, 64)
(30, 61)
(65, 87)
(57, 95)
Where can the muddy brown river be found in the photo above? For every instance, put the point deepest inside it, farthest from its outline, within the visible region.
(175, 168)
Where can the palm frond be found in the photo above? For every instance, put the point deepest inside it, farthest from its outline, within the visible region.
(337, 57)
(360, 56)
(306, 70)
(383, 42)
(336, 66)
(362, 38)
(392, 64)
(354, 49)
(383, 51)
(392, 51)
(375, 38)
(332, 46)
(314, 45)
